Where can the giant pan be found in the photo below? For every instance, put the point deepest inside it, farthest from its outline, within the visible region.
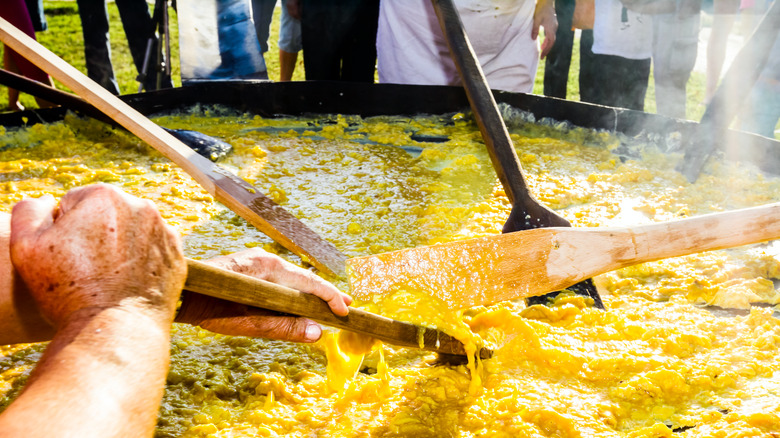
(294, 98)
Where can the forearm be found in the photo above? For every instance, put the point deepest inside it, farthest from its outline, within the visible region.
(102, 375)
(20, 320)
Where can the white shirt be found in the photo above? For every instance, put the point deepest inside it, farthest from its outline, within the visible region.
(411, 48)
(621, 32)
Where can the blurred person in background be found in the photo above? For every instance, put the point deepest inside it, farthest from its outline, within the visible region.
(262, 15)
(675, 43)
(622, 48)
(35, 9)
(556, 67)
(724, 13)
(99, 274)
(139, 29)
(338, 38)
(503, 34)
(762, 108)
(558, 62)
(290, 39)
(16, 13)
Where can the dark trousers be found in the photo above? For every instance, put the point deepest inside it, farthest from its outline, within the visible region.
(621, 82)
(556, 66)
(35, 8)
(339, 39)
(138, 26)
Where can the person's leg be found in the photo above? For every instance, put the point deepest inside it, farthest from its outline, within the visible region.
(35, 8)
(13, 93)
(322, 33)
(359, 50)
(589, 69)
(139, 28)
(762, 109)
(262, 15)
(724, 14)
(97, 51)
(287, 61)
(675, 43)
(630, 84)
(556, 67)
(289, 43)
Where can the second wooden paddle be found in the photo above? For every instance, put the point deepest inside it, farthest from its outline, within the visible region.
(227, 188)
(527, 263)
(527, 213)
(208, 280)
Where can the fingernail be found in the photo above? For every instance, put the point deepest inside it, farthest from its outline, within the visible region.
(313, 332)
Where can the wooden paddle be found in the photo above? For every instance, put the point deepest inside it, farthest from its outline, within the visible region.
(220, 283)
(527, 212)
(526, 263)
(210, 147)
(227, 188)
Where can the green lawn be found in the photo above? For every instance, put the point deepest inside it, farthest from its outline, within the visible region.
(65, 39)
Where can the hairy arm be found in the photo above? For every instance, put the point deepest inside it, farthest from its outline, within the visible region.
(20, 319)
(102, 375)
(105, 272)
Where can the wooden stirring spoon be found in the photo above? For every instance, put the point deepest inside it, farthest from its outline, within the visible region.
(527, 213)
(209, 280)
(522, 264)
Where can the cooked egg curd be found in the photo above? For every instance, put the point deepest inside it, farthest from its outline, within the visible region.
(660, 361)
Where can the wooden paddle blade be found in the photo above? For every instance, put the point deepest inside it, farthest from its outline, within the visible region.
(527, 212)
(227, 188)
(219, 283)
(527, 263)
(462, 274)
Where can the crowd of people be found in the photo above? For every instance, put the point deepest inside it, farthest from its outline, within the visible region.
(401, 40)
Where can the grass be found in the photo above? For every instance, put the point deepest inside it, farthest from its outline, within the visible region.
(64, 38)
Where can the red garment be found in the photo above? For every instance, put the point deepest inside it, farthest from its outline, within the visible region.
(15, 12)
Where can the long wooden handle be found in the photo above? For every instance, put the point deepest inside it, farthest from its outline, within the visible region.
(583, 253)
(491, 124)
(226, 187)
(220, 283)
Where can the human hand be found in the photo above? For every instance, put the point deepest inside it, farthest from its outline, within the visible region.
(100, 248)
(544, 16)
(230, 318)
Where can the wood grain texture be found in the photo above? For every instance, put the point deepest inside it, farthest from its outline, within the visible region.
(209, 280)
(483, 104)
(227, 188)
(528, 263)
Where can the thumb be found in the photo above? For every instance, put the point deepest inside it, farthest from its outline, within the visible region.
(535, 31)
(30, 218)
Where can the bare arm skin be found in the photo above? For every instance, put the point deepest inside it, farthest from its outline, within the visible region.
(21, 321)
(105, 272)
(237, 319)
(544, 16)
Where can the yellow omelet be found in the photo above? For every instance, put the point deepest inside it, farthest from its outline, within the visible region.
(663, 359)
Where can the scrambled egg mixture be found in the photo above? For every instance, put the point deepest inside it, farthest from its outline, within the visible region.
(660, 361)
